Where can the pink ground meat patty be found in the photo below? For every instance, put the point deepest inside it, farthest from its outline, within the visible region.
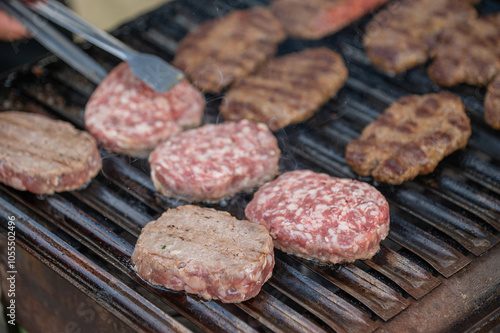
(214, 162)
(127, 116)
(205, 252)
(320, 217)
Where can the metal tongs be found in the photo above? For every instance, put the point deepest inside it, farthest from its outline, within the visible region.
(153, 70)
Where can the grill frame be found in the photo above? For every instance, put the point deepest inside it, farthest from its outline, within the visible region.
(100, 223)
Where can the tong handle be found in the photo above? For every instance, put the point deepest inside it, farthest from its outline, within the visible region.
(66, 18)
(54, 41)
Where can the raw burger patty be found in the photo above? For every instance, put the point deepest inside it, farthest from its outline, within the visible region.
(492, 103)
(467, 53)
(317, 216)
(43, 156)
(316, 19)
(226, 49)
(401, 37)
(205, 252)
(127, 116)
(288, 89)
(214, 162)
(410, 138)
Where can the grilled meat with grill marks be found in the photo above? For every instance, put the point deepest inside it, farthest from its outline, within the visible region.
(401, 37)
(314, 19)
(288, 89)
(467, 53)
(410, 138)
(205, 252)
(226, 49)
(43, 156)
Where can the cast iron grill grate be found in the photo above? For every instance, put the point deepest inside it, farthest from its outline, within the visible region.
(440, 223)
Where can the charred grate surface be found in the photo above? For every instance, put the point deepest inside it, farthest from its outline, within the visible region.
(444, 226)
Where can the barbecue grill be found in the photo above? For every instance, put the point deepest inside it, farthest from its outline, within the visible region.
(438, 270)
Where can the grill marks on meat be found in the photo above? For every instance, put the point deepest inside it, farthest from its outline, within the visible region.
(205, 252)
(464, 47)
(401, 37)
(214, 162)
(316, 19)
(43, 156)
(410, 138)
(492, 103)
(321, 217)
(467, 53)
(222, 51)
(470, 53)
(127, 116)
(288, 89)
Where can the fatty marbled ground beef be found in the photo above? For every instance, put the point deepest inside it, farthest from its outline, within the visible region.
(127, 116)
(205, 252)
(410, 138)
(320, 217)
(215, 162)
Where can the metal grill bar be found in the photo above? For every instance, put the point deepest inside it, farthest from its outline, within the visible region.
(333, 310)
(483, 173)
(468, 197)
(378, 297)
(415, 280)
(469, 234)
(277, 316)
(444, 258)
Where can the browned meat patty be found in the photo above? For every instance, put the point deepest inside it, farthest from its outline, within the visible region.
(321, 217)
(127, 116)
(410, 138)
(205, 252)
(467, 53)
(316, 19)
(226, 49)
(401, 37)
(43, 156)
(492, 103)
(288, 89)
(214, 162)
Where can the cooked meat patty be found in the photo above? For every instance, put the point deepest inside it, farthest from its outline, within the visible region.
(467, 53)
(410, 138)
(214, 162)
(492, 103)
(288, 89)
(226, 49)
(316, 19)
(317, 216)
(43, 156)
(127, 116)
(205, 252)
(401, 37)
